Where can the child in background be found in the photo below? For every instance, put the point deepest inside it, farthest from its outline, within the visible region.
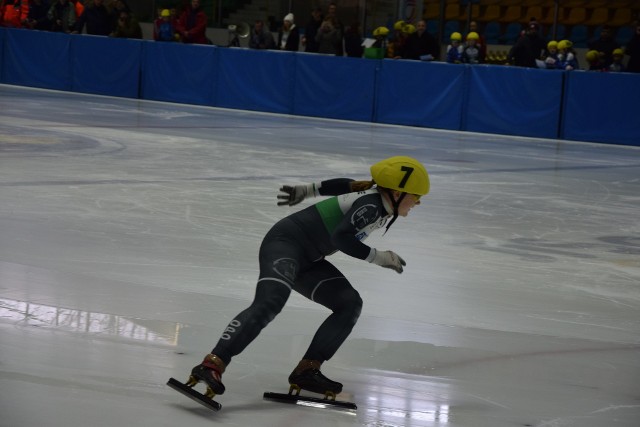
(164, 29)
(472, 53)
(617, 65)
(455, 49)
(551, 57)
(567, 57)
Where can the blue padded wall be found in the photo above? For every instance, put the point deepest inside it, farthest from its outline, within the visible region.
(333, 87)
(514, 101)
(105, 66)
(602, 107)
(255, 80)
(420, 94)
(38, 59)
(175, 72)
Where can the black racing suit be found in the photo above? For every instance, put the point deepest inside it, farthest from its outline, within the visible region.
(292, 257)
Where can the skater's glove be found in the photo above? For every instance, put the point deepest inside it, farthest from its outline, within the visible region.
(386, 259)
(295, 194)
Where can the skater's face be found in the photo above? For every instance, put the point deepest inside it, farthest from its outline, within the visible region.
(408, 202)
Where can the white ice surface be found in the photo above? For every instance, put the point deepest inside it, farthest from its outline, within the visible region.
(129, 234)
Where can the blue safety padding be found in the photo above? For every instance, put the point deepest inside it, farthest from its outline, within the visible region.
(37, 59)
(334, 87)
(415, 93)
(258, 80)
(105, 66)
(177, 72)
(602, 107)
(3, 35)
(513, 101)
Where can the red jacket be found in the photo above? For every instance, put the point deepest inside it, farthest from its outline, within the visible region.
(192, 26)
(13, 12)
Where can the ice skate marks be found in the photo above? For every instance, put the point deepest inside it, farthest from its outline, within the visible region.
(187, 390)
(326, 402)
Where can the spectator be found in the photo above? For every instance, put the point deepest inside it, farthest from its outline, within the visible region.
(37, 18)
(115, 7)
(617, 65)
(593, 58)
(192, 25)
(471, 53)
(332, 13)
(13, 13)
(481, 43)
(567, 56)
(605, 44)
(422, 45)
(633, 50)
(128, 27)
(164, 28)
(454, 50)
(62, 15)
(260, 37)
(551, 55)
(289, 36)
(97, 18)
(328, 37)
(309, 39)
(353, 41)
(528, 48)
(395, 46)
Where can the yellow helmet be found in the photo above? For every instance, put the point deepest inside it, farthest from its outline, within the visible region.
(473, 36)
(381, 32)
(456, 36)
(564, 44)
(165, 13)
(552, 44)
(592, 55)
(618, 52)
(409, 29)
(399, 25)
(401, 173)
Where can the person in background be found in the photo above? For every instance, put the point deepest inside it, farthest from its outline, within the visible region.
(594, 60)
(13, 13)
(97, 19)
(289, 35)
(62, 15)
(551, 55)
(421, 45)
(633, 50)
(260, 37)
(471, 53)
(127, 28)
(617, 66)
(192, 24)
(567, 59)
(454, 50)
(37, 18)
(309, 39)
(605, 44)
(332, 14)
(353, 41)
(164, 28)
(293, 257)
(528, 48)
(328, 37)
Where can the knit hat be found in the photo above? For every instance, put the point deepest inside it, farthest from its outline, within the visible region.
(289, 17)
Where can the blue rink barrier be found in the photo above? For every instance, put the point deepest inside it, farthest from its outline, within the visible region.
(585, 106)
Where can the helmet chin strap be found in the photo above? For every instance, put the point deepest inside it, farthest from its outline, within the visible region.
(396, 204)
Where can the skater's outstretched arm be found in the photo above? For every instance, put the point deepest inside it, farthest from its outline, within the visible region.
(292, 195)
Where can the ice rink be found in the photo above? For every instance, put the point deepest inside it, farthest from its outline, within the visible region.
(128, 239)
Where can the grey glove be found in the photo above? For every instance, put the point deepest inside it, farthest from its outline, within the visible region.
(296, 194)
(386, 259)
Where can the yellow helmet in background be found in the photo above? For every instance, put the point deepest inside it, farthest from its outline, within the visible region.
(381, 32)
(401, 173)
(399, 25)
(592, 55)
(564, 44)
(165, 13)
(409, 29)
(618, 52)
(456, 36)
(473, 36)
(552, 44)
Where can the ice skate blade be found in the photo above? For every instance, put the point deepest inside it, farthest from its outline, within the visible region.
(294, 390)
(315, 402)
(192, 394)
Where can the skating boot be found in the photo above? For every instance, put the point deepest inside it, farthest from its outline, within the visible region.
(307, 376)
(210, 371)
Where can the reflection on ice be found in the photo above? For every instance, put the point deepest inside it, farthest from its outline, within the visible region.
(74, 320)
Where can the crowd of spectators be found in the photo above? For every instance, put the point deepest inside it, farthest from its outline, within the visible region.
(324, 33)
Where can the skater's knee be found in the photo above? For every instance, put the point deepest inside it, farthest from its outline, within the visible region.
(351, 305)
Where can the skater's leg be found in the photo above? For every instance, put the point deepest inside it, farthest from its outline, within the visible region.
(325, 285)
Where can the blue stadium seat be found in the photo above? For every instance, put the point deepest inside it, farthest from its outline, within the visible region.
(492, 32)
(623, 35)
(512, 33)
(450, 27)
(579, 35)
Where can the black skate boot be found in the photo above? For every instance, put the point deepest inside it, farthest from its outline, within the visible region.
(307, 376)
(210, 371)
